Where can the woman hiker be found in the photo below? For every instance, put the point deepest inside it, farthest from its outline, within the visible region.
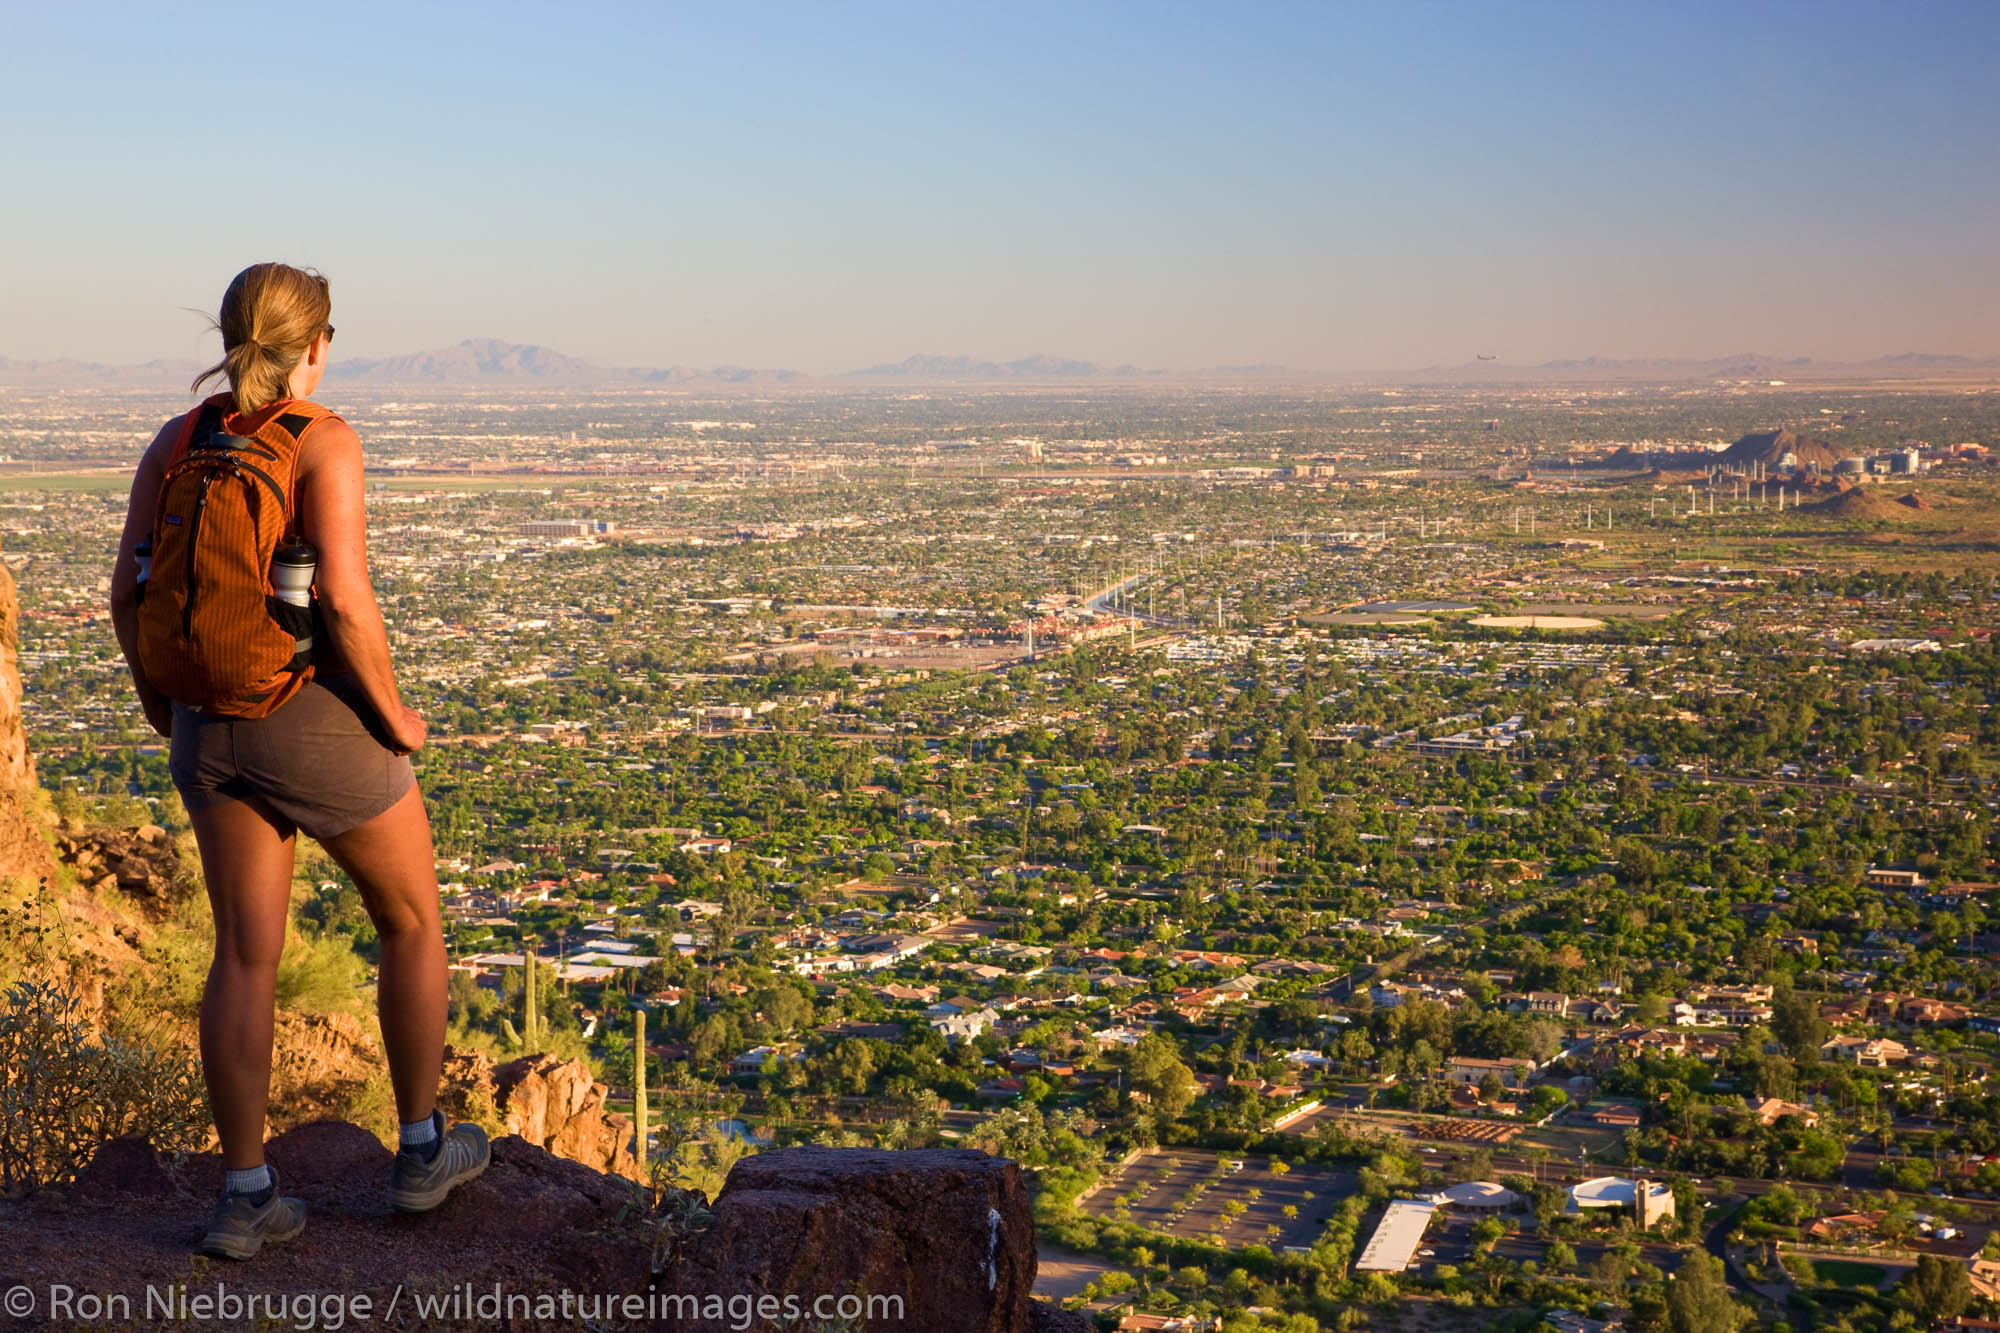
(242, 602)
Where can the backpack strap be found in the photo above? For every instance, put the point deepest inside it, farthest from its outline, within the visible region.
(298, 417)
(293, 417)
(296, 423)
(197, 427)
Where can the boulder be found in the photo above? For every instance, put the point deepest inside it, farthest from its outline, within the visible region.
(948, 1231)
(532, 1224)
(1046, 1318)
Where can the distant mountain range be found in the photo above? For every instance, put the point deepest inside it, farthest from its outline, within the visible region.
(488, 362)
(68, 374)
(474, 363)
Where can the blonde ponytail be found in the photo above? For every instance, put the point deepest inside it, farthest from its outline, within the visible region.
(270, 316)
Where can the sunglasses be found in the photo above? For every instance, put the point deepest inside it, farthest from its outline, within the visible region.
(329, 333)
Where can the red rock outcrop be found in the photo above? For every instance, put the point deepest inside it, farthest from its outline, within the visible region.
(947, 1232)
(1772, 447)
(557, 1105)
(533, 1224)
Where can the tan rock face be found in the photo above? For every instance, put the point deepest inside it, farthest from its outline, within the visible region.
(559, 1106)
(24, 850)
(552, 1103)
(17, 766)
(319, 1064)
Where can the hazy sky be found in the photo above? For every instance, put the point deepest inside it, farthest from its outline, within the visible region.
(826, 186)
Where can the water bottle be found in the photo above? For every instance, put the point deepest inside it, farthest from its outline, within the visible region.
(292, 569)
(143, 553)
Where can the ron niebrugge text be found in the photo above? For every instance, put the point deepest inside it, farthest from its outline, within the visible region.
(314, 1312)
(179, 1303)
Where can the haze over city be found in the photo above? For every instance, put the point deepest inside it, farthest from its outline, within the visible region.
(1142, 669)
(1323, 187)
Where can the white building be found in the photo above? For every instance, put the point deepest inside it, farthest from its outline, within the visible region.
(1649, 1200)
(1396, 1237)
(964, 1027)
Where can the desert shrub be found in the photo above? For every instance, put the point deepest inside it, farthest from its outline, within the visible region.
(177, 959)
(700, 1161)
(65, 1089)
(669, 1218)
(36, 938)
(318, 974)
(373, 1107)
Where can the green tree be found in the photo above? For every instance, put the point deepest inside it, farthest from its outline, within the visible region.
(1698, 1299)
(784, 1008)
(1937, 1289)
(1155, 1067)
(1795, 1021)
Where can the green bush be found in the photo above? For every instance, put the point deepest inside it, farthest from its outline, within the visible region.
(318, 974)
(65, 1090)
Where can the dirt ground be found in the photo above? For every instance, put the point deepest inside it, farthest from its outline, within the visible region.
(1060, 1274)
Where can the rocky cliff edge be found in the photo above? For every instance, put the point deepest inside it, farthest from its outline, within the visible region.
(808, 1240)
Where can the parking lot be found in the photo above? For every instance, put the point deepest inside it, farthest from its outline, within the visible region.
(1191, 1193)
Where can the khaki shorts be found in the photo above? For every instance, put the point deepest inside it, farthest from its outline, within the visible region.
(320, 761)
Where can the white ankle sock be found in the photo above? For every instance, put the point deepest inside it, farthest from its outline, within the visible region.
(254, 1181)
(419, 1134)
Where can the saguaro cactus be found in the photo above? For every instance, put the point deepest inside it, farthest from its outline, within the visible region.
(531, 1027)
(639, 1082)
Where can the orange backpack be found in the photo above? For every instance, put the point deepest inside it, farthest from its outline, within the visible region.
(212, 634)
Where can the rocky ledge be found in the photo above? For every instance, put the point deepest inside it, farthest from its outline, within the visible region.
(938, 1241)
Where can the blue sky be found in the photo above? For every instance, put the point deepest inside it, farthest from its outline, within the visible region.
(821, 187)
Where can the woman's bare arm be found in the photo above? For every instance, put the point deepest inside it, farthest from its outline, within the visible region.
(125, 572)
(333, 517)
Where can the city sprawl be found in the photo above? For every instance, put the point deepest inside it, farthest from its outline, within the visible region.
(1449, 851)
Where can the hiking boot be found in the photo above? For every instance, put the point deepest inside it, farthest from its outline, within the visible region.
(417, 1186)
(239, 1227)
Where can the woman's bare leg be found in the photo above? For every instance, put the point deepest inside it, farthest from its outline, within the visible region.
(391, 862)
(246, 857)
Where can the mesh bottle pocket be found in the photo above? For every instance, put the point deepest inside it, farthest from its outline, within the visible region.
(298, 621)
